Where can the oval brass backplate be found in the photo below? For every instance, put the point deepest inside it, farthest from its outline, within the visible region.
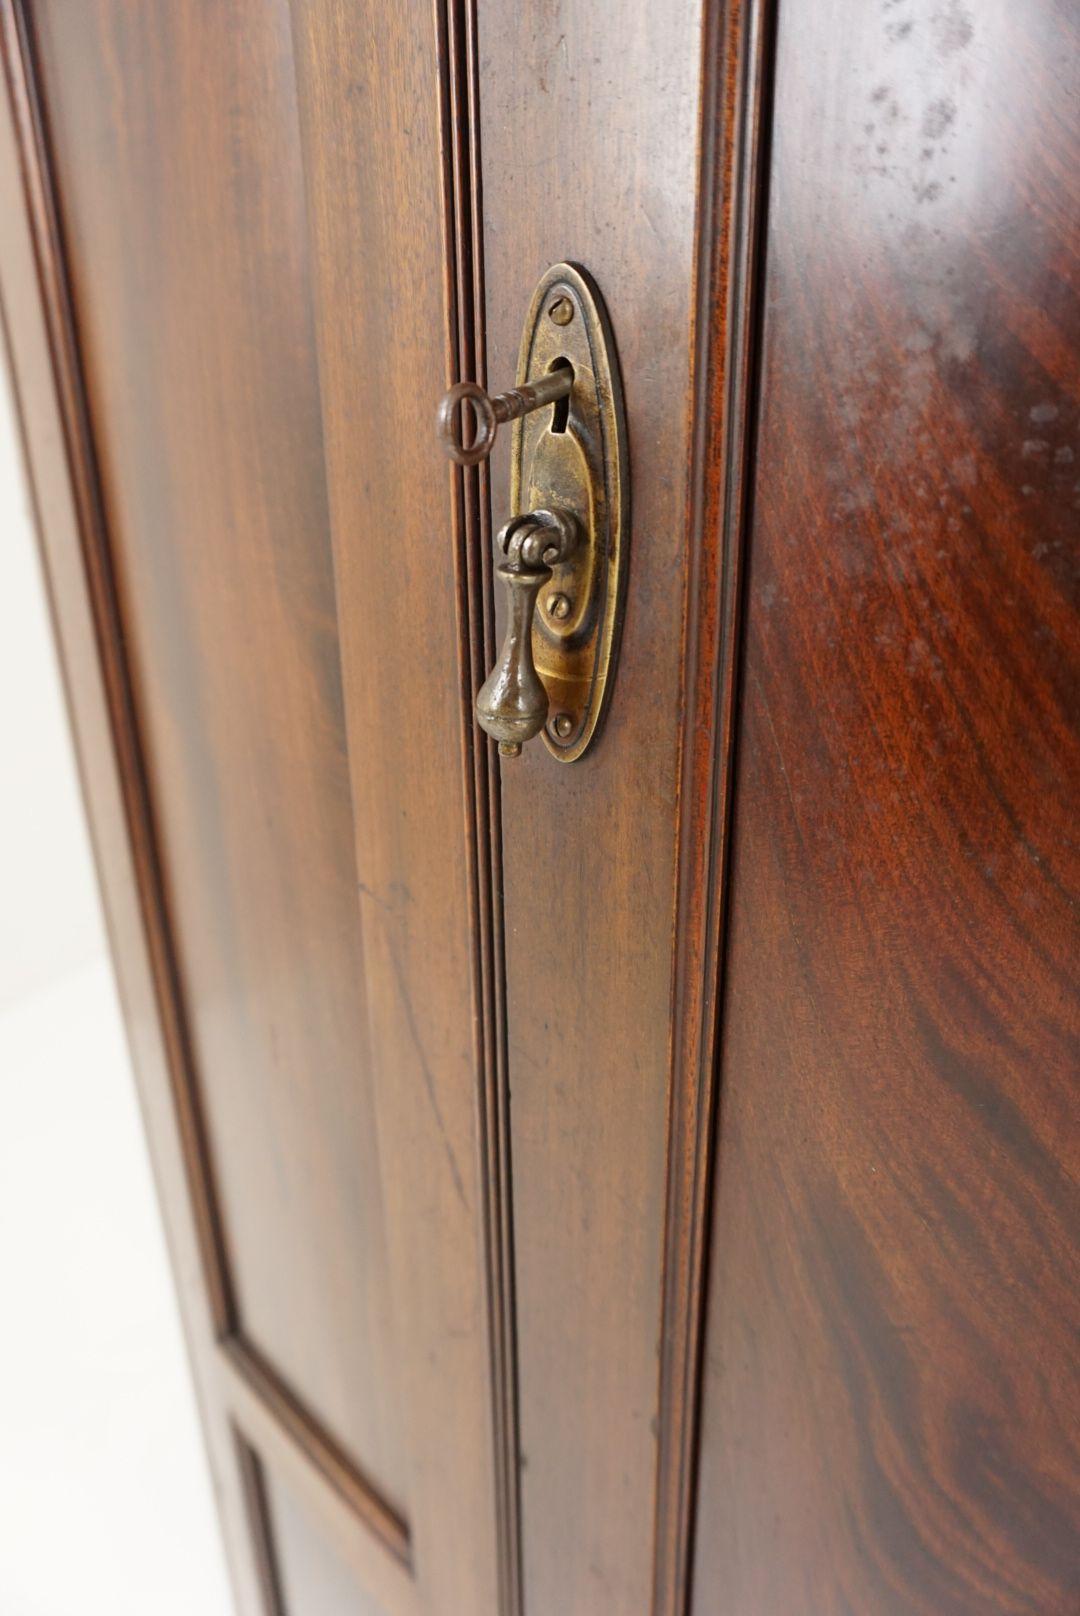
(573, 457)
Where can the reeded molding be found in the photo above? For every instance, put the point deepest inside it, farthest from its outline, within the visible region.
(733, 153)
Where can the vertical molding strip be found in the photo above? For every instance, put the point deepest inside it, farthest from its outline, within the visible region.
(737, 40)
(456, 26)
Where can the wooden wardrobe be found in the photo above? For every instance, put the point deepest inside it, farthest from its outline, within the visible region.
(642, 1184)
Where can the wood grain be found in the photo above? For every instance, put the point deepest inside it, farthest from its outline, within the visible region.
(62, 478)
(274, 1417)
(193, 309)
(735, 116)
(456, 24)
(589, 119)
(237, 1383)
(372, 131)
(892, 1395)
(282, 229)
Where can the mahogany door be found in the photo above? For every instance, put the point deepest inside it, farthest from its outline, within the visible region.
(644, 1184)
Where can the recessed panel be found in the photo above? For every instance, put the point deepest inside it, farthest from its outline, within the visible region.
(175, 140)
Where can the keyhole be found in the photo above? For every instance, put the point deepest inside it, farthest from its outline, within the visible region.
(560, 410)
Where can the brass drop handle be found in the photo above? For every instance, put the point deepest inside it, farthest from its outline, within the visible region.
(490, 413)
(513, 704)
(567, 543)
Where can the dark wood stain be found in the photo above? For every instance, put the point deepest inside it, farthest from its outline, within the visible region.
(463, 230)
(202, 386)
(732, 197)
(376, 130)
(890, 1419)
(820, 865)
(589, 849)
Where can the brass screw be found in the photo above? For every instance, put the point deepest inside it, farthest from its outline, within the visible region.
(558, 607)
(563, 725)
(561, 311)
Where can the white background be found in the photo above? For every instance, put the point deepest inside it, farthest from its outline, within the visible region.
(105, 1503)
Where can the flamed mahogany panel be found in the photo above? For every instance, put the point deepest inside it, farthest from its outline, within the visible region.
(176, 145)
(892, 1381)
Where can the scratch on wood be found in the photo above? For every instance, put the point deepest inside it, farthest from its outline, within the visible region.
(429, 1081)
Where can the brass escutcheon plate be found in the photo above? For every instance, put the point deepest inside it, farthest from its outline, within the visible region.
(573, 457)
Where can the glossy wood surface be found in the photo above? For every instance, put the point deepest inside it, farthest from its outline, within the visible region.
(184, 217)
(44, 370)
(373, 132)
(892, 1402)
(589, 848)
(330, 1144)
(426, 1043)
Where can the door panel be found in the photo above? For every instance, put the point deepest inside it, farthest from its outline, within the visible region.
(891, 1382)
(429, 1044)
(262, 588)
(371, 114)
(177, 153)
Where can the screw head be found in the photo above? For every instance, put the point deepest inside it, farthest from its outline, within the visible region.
(558, 607)
(563, 725)
(561, 311)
